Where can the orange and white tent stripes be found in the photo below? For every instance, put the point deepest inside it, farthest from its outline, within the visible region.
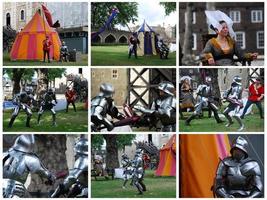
(199, 158)
(167, 162)
(28, 44)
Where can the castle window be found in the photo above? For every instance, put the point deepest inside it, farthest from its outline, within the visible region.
(22, 15)
(115, 74)
(256, 16)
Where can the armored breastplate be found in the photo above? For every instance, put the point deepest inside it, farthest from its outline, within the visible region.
(24, 98)
(206, 91)
(164, 105)
(235, 179)
(235, 92)
(14, 167)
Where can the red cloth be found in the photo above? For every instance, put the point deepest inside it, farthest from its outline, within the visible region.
(70, 95)
(48, 16)
(254, 94)
(46, 45)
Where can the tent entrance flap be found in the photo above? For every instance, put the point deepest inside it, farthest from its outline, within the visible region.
(148, 44)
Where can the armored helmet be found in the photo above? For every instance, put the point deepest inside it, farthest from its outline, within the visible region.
(241, 144)
(81, 146)
(237, 80)
(139, 152)
(50, 91)
(166, 87)
(28, 90)
(107, 89)
(208, 79)
(124, 156)
(24, 143)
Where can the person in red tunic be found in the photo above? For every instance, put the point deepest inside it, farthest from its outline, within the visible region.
(70, 95)
(256, 94)
(46, 48)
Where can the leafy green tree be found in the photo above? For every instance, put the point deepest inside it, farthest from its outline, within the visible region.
(114, 142)
(44, 75)
(101, 11)
(169, 7)
(17, 75)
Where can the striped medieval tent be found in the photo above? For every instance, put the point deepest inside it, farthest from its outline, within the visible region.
(199, 155)
(28, 44)
(167, 162)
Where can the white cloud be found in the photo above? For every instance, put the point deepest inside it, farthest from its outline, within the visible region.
(153, 14)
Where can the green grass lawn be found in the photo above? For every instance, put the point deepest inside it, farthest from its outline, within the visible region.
(118, 56)
(157, 187)
(66, 122)
(252, 122)
(8, 62)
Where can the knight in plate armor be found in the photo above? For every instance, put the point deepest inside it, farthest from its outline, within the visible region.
(138, 171)
(22, 101)
(205, 98)
(76, 183)
(234, 96)
(103, 105)
(48, 102)
(163, 108)
(238, 176)
(20, 161)
(127, 169)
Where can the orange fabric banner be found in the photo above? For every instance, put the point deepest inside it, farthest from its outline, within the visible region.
(199, 157)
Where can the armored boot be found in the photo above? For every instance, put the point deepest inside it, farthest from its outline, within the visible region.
(143, 185)
(54, 120)
(28, 122)
(139, 187)
(230, 121)
(217, 118)
(39, 118)
(188, 120)
(238, 119)
(11, 121)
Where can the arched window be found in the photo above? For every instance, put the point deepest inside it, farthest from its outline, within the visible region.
(8, 20)
(110, 39)
(123, 39)
(22, 15)
(97, 39)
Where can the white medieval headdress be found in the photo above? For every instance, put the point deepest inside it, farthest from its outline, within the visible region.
(214, 17)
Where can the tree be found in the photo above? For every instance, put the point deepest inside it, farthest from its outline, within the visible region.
(113, 144)
(188, 36)
(42, 82)
(169, 7)
(19, 75)
(100, 13)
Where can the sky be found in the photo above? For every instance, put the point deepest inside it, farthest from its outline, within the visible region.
(153, 14)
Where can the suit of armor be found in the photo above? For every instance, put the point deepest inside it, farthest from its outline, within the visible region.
(204, 99)
(138, 173)
(163, 108)
(76, 183)
(127, 169)
(234, 96)
(18, 163)
(47, 103)
(22, 101)
(103, 105)
(238, 178)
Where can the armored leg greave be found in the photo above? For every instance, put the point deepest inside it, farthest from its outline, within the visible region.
(39, 118)
(188, 120)
(238, 119)
(54, 119)
(28, 121)
(12, 121)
